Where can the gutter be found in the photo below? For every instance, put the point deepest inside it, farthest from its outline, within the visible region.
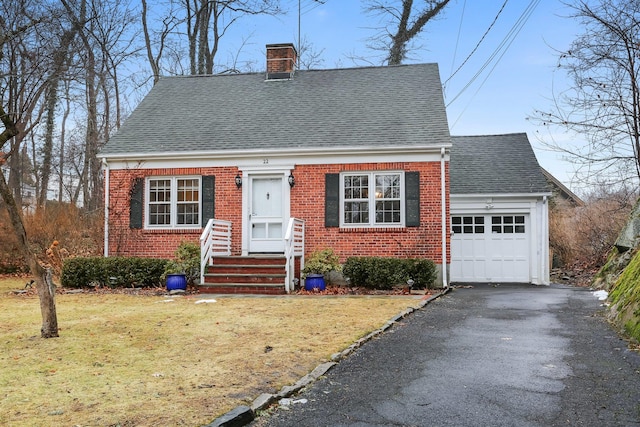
(283, 152)
(443, 203)
(105, 168)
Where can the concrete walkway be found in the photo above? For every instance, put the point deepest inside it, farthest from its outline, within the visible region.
(509, 355)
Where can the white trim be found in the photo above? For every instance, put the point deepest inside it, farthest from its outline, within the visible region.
(105, 168)
(280, 159)
(173, 204)
(534, 206)
(288, 152)
(371, 200)
(248, 172)
(443, 215)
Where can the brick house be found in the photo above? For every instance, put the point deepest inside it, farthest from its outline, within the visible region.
(284, 163)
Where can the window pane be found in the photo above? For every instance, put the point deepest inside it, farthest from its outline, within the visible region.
(388, 212)
(388, 186)
(479, 220)
(160, 214)
(356, 212)
(188, 190)
(479, 229)
(355, 187)
(159, 202)
(457, 229)
(456, 220)
(188, 214)
(519, 219)
(496, 220)
(187, 205)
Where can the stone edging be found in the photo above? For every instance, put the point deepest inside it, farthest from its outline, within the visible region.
(243, 415)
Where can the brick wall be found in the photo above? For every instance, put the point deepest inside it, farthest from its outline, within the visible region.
(307, 202)
(124, 241)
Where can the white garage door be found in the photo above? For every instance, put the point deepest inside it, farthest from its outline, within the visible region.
(490, 248)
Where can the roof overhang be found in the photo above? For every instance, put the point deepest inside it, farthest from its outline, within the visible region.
(427, 152)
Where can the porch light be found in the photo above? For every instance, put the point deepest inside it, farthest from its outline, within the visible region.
(292, 180)
(238, 181)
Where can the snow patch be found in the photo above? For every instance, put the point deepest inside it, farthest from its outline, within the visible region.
(601, 295)
(205, 301)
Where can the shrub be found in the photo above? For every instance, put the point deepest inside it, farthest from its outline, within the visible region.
(186, 261)
(385, 273)
(112, 271)
(322, 262)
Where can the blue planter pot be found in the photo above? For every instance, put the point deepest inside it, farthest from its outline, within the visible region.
(176, 282)
(314, 281)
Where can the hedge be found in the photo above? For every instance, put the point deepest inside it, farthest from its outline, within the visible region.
(112, 271)
(385, 273)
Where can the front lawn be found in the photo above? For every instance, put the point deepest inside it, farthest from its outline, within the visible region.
(132, 360)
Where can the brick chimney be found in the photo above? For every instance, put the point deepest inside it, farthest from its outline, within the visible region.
(281, 61)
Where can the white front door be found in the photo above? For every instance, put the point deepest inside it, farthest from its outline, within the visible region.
(266, 230)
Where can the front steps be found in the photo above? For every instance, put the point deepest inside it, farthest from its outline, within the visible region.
(254, 274)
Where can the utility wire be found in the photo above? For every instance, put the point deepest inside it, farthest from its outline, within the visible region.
(501, 49)
(455, 50)
(479, 42)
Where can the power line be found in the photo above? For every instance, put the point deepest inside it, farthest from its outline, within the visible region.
(501, 49)
(455, 50)
(479, 42)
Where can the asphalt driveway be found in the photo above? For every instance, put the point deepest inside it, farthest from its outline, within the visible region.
(507, 355)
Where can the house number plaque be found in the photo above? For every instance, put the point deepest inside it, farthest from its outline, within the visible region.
(265, 161)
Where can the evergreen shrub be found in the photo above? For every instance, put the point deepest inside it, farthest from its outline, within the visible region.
(385, 273)
(112, 271)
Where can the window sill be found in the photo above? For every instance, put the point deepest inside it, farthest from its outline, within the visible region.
(372, 230)
(172, 230)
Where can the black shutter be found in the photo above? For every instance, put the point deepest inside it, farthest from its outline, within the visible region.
(208, 198)
(412, 198)
(332, 200)
(135, 204)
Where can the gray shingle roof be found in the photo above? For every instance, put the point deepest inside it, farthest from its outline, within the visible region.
(374, 106)
(494, 164)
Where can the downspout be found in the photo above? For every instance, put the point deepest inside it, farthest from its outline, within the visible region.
(105, 167)
(443, 203)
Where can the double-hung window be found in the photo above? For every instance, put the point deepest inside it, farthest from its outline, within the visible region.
(173, 202)
(372, 199)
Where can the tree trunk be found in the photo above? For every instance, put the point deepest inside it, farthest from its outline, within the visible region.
(46, 289)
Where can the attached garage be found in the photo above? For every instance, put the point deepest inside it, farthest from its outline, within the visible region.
(499, 211)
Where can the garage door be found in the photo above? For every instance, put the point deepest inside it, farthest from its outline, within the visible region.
(490, 248)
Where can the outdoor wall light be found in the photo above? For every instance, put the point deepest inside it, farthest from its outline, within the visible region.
(238, 181)
(292, 180)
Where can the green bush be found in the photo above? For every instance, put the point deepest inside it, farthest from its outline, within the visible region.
(321, 261)
(120, 272)
(385, 273)
(187, 262)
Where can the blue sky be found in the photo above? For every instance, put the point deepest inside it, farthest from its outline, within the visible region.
(514, 65)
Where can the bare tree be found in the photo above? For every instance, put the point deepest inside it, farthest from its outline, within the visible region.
(12, 129)
(403, 22)
(157, 39)
(207, 21)
(59, 61)
(603, 101)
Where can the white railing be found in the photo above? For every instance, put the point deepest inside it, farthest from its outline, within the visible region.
(293, 247)
(214, 241)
